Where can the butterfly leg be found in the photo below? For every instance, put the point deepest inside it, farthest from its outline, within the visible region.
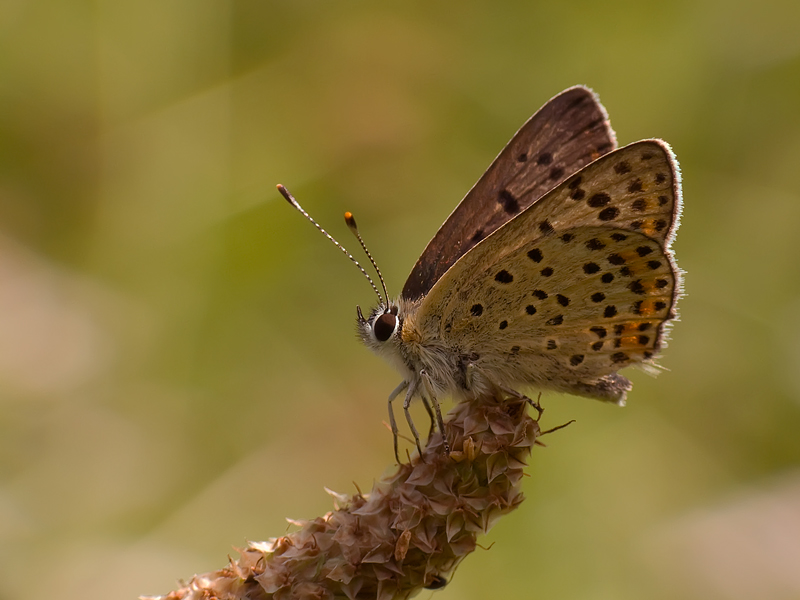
(412, 388)
(472, 368)
(469, 378)
(520, 396)
(426, 383)
(392, 422)
(428, 408)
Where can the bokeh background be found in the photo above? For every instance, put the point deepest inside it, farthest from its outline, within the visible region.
(178, 365)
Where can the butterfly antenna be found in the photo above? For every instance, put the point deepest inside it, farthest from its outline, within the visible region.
(351, 223)
(286, 194)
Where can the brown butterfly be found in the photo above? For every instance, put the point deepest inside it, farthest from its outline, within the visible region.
(554, 272)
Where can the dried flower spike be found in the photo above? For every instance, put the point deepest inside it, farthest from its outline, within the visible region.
(409, 533)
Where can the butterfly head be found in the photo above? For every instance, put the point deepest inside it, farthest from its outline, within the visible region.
(382, 325)
(384, 322)
(389, 332)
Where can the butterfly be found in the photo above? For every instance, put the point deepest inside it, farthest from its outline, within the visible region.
(554, 271)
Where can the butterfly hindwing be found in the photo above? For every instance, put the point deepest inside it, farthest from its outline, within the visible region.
(567, 133)
(576, 287)
(636, 187)
(597, 312)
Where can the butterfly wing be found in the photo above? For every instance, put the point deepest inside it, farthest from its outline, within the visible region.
(567, 133)
(574, 288)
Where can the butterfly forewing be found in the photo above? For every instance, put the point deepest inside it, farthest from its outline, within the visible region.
(567, 133)
(578, 286)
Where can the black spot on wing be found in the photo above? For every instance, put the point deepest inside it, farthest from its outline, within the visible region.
(590, 268)
(509, 203)
(504, 276)
(546, 228)
(535, 255)
(598, 200)
(608, 214)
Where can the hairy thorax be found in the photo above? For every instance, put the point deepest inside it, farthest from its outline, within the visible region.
(447, 370)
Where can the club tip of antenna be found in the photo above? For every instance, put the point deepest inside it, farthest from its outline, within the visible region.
(350, 220)
(285, 193)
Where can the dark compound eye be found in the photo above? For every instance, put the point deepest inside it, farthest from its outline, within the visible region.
(384, 326)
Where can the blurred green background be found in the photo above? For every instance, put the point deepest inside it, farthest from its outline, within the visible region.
(178, 365)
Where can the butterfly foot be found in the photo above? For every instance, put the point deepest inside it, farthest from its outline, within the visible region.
(396, 453)
(536, 404)
(557, 427)
(419, 447)
(520, 396)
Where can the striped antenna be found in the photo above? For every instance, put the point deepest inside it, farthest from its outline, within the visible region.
(351, 223)
(285, 193)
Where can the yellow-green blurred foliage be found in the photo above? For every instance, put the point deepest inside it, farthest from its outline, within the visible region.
(178, 365)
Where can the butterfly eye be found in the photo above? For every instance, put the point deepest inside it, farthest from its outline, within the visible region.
(384, 326)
